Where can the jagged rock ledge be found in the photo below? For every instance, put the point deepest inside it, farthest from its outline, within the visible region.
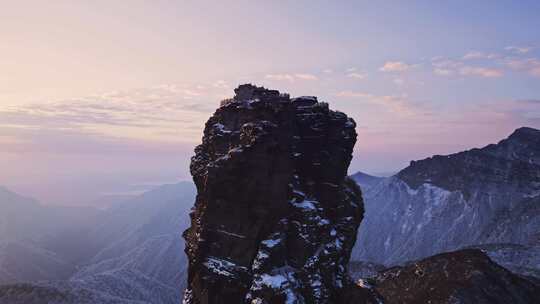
(275, 216)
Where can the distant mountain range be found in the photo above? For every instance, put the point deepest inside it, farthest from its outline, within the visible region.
(40, 242)
(131, 253)
(486, 198)
(468, 199)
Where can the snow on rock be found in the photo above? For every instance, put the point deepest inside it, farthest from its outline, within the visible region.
(275, 220)
(223, 267)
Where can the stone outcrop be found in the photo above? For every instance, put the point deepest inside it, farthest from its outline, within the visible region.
(465, 276)
(275, 216)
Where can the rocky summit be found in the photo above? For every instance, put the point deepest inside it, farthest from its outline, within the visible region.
(275, 217)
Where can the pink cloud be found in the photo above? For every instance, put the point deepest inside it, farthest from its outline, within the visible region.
(291, 77)
(480, 71)
(397, 104)
(518, 49)
(357, 75)
(395, 66)
(530, 65)
(479, 55)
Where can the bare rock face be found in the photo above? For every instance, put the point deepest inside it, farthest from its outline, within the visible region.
(465, 276)
(275, 216)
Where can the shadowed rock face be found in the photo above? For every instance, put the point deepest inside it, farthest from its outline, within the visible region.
(275, 217)
(466, 276)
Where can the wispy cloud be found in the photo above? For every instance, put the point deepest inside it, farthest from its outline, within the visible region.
(445, 67)
(448, 67)
(305, 76)
(291, 77)
(480, 71)
(395, 66)
(354, 94)
(397, 104)
(163, 112)
(518, 49)
(222, 84)
(529, 65)
(479, 55)
(357, 75)
(443, 71)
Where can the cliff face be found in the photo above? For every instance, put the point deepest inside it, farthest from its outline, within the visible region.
(275, 217)
(489, 195)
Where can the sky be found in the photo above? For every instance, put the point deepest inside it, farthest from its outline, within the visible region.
(106, 98)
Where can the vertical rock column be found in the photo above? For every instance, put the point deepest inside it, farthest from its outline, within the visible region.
(275, 216)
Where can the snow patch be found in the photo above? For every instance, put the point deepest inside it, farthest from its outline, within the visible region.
(306, 205)
(220, 128)
(223, 267)
(273, 281)
(435, 194)
(188, 296)
(271, 243)
(410, 190)
(387, 243)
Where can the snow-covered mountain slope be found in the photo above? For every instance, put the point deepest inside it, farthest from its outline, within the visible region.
(142, 259)
(40, 242)
(24, 218)
(23, 261)
(162, 211)
(480, 196)
(126, 284)
(41, 293)
(404, 224)
(159, 259)
(365, 180)
(133, 252)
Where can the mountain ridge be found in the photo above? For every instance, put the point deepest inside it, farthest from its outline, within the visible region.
(456, 171)
(488, 195)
